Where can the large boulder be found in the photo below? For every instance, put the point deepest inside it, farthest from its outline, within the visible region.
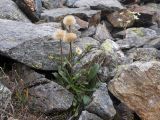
(32, 8)
(50, 97)
(109, 5)
(102, 104)
(137, 85)
(9, 10)
(56, 15)
(33, 44)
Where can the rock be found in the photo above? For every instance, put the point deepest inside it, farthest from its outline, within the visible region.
(28, 43)
(154, 43)
(137, 86)
(148, 15)
(83, 24)
(112, 58)
(5, 96)
(137, 37)
(32, 8)
(33, 45)
(129, 1)
(102, 33)
(121, 19)
(50, 4)
(70, 2)
(124, 113)
(9, 10)
(92, 55)
(110, 5)
(85, 115)
(89, 32)
(102, 104)
(50, 97)
(56, 15)
(143, 54)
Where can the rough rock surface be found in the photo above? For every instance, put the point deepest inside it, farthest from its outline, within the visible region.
(143, 54)
(32, 8)
(85, 115)
(109, 5)
(5, 96)
(50, 4)
(9, 10)
(102, 104)
(33, 44)
(55, 15)
(28, 43)
(49, 97)
(137, 85)
(136, 37)
(102, 33)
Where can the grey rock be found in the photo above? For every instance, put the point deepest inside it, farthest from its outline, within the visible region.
(49, 98)
(50, 4)
(56, 15)
(137, 37)
(33, 45)
(143, 54)
(109, 5)
(137, 86)
(102, 104)
(155, 43)
(85, 115)
(113, 58)
(70, 2)
(32, 8)
(89, 32)
(28, 43)
(102, 33)
(5, 96)
(9, 10)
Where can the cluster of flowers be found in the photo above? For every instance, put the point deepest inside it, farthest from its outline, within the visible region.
(67, 35)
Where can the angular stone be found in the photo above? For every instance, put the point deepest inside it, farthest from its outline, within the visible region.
(28, 43)
(121, 19)
(56, 15)
(5, 96)
(136, 37)
(110, 5)
(50, 4)
(49, 98)
(112, 57)
(155, 43)
(85, 115)
(102, 104)
(32, 8)
(124, 113)
(89, 32)
(33, 44)
(102, 33)
(137, 86)
(70, 2)
(143, 54)
(9, 10)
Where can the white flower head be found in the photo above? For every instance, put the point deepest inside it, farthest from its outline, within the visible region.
(78, 50)
(69, 20)
(59, 34)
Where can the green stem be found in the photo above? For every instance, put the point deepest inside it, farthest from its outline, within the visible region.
(70, 52)
(61, 52)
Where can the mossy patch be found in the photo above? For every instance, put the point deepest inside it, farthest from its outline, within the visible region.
(107, 46)
(139, 32)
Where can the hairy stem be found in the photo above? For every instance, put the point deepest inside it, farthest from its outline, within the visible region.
(61, 52)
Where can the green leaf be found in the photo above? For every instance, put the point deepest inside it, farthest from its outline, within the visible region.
(93, 72)
(86, 99)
